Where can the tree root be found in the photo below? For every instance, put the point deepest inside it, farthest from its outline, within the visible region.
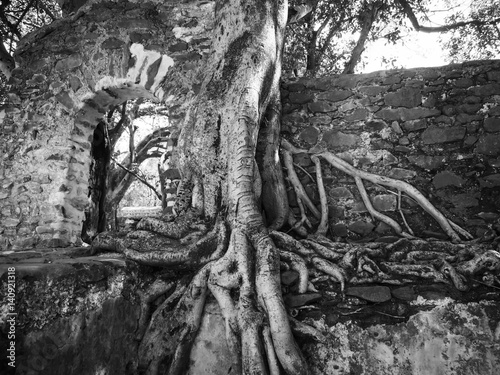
(453, 230)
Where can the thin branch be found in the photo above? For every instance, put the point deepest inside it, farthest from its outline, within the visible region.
(439, 29)
(138, 177)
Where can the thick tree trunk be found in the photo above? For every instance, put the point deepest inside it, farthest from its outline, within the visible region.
(231, 193)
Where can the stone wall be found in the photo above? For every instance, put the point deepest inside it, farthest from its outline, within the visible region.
(69, 74)
(81, 315)
(436, 128)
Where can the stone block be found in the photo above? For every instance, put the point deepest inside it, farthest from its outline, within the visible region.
(414, 125)
(464, 200)
(340, 193)
(417, 113)
(488, 144)
(435, 135)
(321, 107)
(337, 139)
(71, 62)
(492, 124)
(406, 97)
(335, 95)
(385, 202)
(300, 97)
(427, 162)
(112, 43)
(401, 174)
(361, 227)
(446, 178)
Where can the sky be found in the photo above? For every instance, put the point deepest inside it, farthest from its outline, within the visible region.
(417, 49)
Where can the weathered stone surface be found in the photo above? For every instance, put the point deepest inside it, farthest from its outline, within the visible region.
(376, 294)
(414, 125)
(321, 107)
(401, 173)
(340, 192)
(434, 134)
(418, 113)
(64, 98)
(427, 162)
(405, 293)
(490, 181)
(112, 43)
(405, 97)
(375, 125)
(464, 200)
(289, 277)
(336, 139)
(71, 62)
(492, 124)
(358, 115)
(385, 202)
(335, 95)
(300, 97)
(372, 90)
(447, 178)
(309, 135)
(361, 227)
(339, 230)
(488, 144)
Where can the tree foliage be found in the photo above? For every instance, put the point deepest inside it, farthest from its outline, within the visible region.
(333, 37)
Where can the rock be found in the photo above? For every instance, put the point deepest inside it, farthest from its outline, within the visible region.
(427, 162)
(289, 277)
(336, 139)
(375, 125)
(64, 98)
(414, 125)
(301, 299)
(447, 178)
(112, 43)
(405, 97)
(71, 62)
(464, 201)
(335, 95)
(401, 174)
(488, 144)
(434, 134)
(339, 230)
(376, 294)
(418, 113)
(300, 97)
(385, 202)
(340, 192)
(361, 227)
(372, 90)
(321, 107)
(405, 293)
(309, 135)
(358, 115)
(492, 124)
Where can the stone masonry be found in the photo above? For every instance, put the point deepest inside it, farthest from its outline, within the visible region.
(436, 128)
(69, 74)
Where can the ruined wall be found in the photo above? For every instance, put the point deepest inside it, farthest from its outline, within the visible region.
(436, 128)
(69, 74)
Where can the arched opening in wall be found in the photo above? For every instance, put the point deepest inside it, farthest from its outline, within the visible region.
(130, 151)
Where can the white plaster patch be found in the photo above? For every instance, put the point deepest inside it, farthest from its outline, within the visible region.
(166, 63)
(144, 58)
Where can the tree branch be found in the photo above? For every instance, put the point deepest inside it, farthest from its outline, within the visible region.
(439, 29)
(138, 177)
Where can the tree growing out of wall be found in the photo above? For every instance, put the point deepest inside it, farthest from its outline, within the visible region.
(232, 205)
